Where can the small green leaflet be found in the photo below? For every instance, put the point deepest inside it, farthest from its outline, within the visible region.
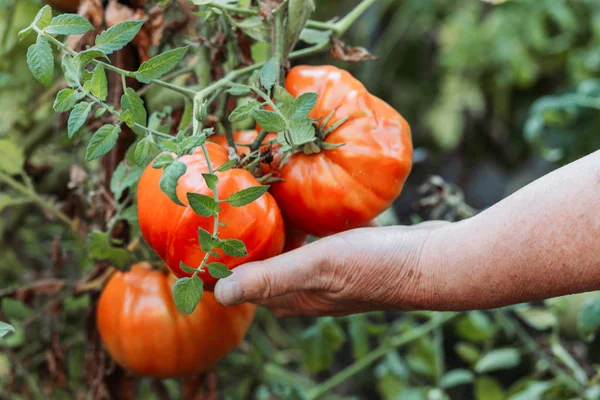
(256, 28)
(78, 117)
(239, 90)
(159, 65)
(187, 293)
(99, 86)
(11, 157)
(163, 160)
(102, 142)
(218, 270)
(99, 112)
(41, 61)
(169, 178)
(167, 145)
(246, 196)
(186, 268)
(127, 117)
(303, 104)
(234, 248)
(207, 242)
(269, 120)
(268, 74)
(123, 178)
(69, 24)
(71, 71)
(116, 37)
(88, 55)
(243, 112)
(100, 248)
(65, 100)
(302, 131)
(133, 102)
(588, 323)
(142, 149)
(41, 20)
(5, 329)
(190, 143)
(314, 36)
(203, 205)
(211, 181)
(227, 166)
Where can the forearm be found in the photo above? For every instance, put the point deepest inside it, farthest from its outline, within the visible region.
(542, 241)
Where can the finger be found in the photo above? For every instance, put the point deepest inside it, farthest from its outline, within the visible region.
(289, 272)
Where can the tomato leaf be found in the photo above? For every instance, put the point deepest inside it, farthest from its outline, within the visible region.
(102, 142)
(100, 248)
(168, 145)
(239, 90)
(268, 74)
(211, 181)
(234, 248)
(5, 329)
(169, 178)
(243, 111)
(12, 157)
(189, 144)
(41, 61)
(159, 65)
(269, 120)
(41, 20)
(320, 343)
(71, 71)
(84, 57)
(69, 24)
(498, 359)
(186, 268)
(303, 104)
(142, 149)
(227, 166)
(99, 83)
(117, 36)
(588, 323)
(65, 100)
(302, 131)
(133, 102)
(187, 293)
(124, 178)
(218, 270)
(163, 160)
(78, 117)
(207, 242)
(246, 196)
(203, 205)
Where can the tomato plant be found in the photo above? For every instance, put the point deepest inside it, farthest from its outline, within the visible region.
(144, 333)
(172, 229)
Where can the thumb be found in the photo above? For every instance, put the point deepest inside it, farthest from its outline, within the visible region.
(286, 273)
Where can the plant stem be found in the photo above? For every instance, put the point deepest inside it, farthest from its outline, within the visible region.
(258, 140)
(279, 43)
(342, 25)
(436, 321)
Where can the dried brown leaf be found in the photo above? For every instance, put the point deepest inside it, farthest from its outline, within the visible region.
(340, 51)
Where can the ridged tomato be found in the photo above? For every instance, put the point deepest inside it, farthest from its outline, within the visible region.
(344, 188)
(145, 333)
(172, 230)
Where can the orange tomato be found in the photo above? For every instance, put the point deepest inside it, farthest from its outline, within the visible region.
(145, 333)
(172, 230)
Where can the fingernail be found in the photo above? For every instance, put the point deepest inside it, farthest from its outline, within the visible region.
(228, 292)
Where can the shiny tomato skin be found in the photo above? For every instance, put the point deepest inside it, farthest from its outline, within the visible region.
(172, 230)
(144, 332)
(340, 189)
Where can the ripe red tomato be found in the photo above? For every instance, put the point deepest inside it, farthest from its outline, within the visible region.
(344, 188)
(145, 333)
(172, 230)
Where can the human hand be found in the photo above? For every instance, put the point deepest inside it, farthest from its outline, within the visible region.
(360, 270)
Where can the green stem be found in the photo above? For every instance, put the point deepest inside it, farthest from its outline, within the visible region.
(259, 139)
(342, 25)
(279, 43)
(363, 363)
(35, 197)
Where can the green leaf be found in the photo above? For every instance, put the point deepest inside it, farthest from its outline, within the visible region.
(159, 65)
(211, 181)
(11, 157)
(268, 74)
(127, 118)
(456, 377)
(218, 270)
(5, 329)
(187, 293)
(186, 118)
(102, 142)
(124, 178)
(169, 178)
(269, 120)
(163, 160)
(227, 166)
(320, 343)
(84, 57)
(78, 117)
(359, 335)
(303, 104)
(246, 196)
(206, 241)
(243, 111)
(142, 149)
(488, 388)
(186, 268)
(588, 323)
(100, 248)
(301, 131)
(41, 61)
(100, 112)
(203, 205)
(65, 100)
(256, 28)
(239, 90)
(168, 145)
(71, 71)
(133, 102)
(314, 36)
(117, 37)
(234, 248)
(298, 13)
(41, 20)
(99, 86)
(498, 359)
(189, 144)
(69, 24)
(283, 98)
